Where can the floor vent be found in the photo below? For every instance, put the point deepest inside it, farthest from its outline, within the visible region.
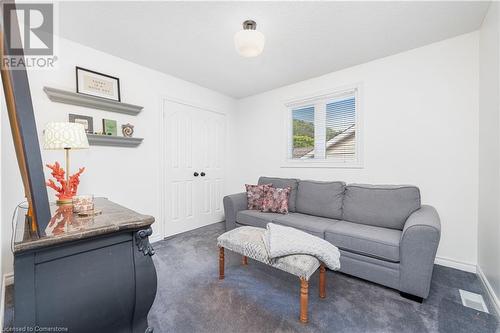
(472, 300)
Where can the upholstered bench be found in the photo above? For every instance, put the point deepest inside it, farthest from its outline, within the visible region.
(248, 242)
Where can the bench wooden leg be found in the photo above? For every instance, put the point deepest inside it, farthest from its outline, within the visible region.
(221, 263)
(322, 281)
(244, 260)
(304, 293)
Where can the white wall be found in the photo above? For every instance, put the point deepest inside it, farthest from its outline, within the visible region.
(129, 176)
(489, 149)
(420, 127)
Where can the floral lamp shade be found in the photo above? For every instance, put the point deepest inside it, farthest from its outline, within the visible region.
(65, 136)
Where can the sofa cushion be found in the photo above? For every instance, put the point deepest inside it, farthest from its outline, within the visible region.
(314, 225)
(382, 206)
(363, 239)
(255, 218)
(276, 200)
(255, 195)
(320, 198)
(283, 183)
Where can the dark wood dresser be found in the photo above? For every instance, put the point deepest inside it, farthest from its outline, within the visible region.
(90, 274)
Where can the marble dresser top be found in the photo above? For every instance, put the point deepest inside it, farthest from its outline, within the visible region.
(66, 226)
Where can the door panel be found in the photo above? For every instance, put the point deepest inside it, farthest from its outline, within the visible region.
(180, 194)
(195, 143)
(212, 141)
(182, 200)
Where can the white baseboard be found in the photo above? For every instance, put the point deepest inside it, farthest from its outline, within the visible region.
(7, 279)
(491, 293)
(155, 239)
(463, 266)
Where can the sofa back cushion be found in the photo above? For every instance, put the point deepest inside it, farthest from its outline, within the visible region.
(283, 183)
(385, 206)
(320, 198)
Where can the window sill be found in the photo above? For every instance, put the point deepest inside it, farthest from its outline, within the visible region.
(320, 164)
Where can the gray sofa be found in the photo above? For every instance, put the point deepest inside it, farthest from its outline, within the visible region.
(384, 233)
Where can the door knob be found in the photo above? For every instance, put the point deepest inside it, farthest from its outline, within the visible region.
(202, 174)
(196, 174)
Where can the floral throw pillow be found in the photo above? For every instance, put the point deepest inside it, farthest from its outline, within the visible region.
(255, 195)
(276, 200)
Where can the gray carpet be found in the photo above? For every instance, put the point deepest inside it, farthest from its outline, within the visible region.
(257, 298)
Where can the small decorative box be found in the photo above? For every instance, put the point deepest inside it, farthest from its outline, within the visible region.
(83, 203)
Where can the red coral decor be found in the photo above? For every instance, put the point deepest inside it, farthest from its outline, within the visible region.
(68, 188)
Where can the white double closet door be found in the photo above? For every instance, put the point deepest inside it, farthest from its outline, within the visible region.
(194, 173)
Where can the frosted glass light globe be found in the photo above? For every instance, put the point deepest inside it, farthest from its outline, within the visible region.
(249, 43)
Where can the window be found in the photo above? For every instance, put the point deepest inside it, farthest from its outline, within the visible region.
(325, 130)
(303, 132)
(341, 129)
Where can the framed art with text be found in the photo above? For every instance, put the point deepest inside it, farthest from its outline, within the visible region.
(97, 84)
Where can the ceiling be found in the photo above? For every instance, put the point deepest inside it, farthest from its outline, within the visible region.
(194, 40)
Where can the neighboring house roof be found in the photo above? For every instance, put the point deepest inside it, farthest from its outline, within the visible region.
(342, 145)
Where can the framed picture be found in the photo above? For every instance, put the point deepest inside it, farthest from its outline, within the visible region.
(109, 127)
(86, 121)
(97, 84)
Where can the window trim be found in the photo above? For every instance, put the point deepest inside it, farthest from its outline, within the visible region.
(321, 98)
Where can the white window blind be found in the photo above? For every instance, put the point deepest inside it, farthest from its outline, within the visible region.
(341, 130)
(326, 129)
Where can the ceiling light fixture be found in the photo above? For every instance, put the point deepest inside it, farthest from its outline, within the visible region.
(249, 42)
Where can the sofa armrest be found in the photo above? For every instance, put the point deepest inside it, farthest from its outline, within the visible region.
(417, 250)
(232, 205)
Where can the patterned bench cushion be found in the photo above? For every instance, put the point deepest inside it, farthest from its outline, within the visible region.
(248, 241)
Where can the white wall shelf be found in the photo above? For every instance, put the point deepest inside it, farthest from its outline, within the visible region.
(113, 140)
(68, 97)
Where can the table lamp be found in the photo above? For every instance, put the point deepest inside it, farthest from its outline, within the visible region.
(65, 136)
